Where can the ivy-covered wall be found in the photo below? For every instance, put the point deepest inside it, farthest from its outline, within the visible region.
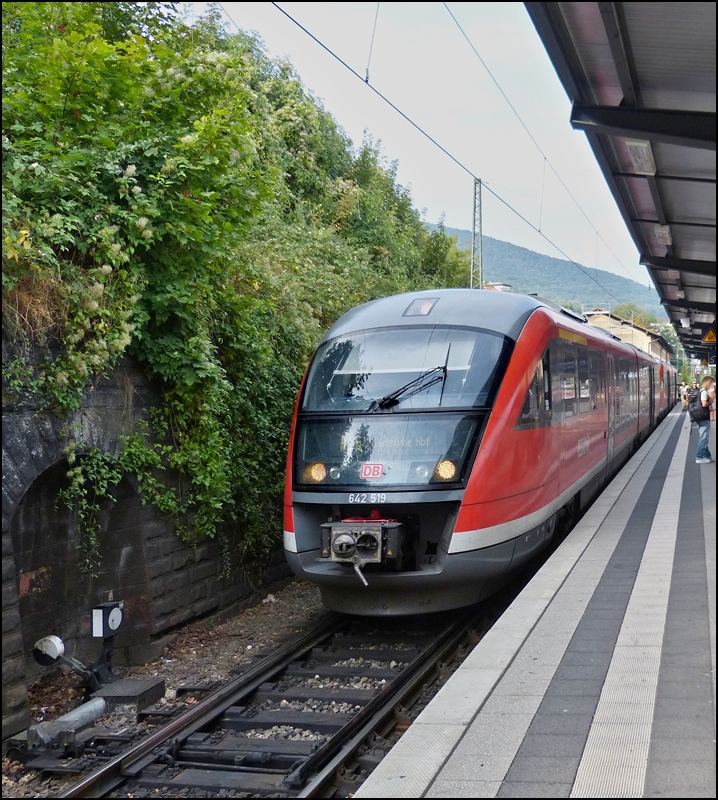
(174, 195)
(163, 580)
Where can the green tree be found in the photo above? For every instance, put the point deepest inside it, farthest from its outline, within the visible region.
(443, 262)
(171, 192)
(631, 311)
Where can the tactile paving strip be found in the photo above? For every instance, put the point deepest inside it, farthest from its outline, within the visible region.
(615, 757)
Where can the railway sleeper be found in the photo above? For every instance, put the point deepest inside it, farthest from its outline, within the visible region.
(369, 760)
(209, 780)
(284, 762)
(296, 748)
(274, 692)
(55, 764)
(242, 718)
(197, 689)
(159, 713)
(345, 653)
(330, 671)
(374, 638)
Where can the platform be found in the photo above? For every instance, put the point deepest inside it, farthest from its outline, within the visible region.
(599, 679)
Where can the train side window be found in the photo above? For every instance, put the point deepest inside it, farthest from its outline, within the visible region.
(629, 395)
(644, 386)
(598, 378)
(568, 380)
(622, 390)
(633, 376)
(530, 416)
(554, 350)
(584, 386)
(547, 413)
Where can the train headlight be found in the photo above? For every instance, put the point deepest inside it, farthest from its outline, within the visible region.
(445, 470)
(316, 472)
(335, 473)
(422, 471)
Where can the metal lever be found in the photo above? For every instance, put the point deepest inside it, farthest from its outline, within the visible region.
(358, 564)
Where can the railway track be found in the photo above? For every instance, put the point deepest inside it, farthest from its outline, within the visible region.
(309, 720)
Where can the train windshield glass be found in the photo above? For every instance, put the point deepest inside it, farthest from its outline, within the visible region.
(428, 450)
(359, 371)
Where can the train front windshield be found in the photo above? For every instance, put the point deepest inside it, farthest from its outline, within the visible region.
(399, 406)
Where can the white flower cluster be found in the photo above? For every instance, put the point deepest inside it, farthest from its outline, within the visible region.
(62, 378)
(215, 57)
(118, 345)
(142, 224)
(78, 365)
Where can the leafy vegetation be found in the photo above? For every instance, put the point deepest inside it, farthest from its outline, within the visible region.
(171, 192)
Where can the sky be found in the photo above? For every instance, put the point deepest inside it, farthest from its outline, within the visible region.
(422, 63)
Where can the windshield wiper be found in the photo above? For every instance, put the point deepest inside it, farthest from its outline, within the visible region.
(423, 381)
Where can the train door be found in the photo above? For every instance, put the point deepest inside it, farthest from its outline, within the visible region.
(611, 386)
(652, 394)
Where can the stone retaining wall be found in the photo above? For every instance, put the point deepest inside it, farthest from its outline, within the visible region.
(163, 581)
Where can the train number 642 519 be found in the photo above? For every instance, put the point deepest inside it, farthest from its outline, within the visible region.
(368, 497)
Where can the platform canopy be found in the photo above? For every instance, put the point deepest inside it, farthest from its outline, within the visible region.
(642, 79)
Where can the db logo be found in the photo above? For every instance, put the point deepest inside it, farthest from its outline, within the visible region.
(369, 471)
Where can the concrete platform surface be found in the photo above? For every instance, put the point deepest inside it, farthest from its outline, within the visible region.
(599, 679)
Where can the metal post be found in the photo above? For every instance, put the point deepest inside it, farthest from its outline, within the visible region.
(477, 244)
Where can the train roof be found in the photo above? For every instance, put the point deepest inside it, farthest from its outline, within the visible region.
(503, 312)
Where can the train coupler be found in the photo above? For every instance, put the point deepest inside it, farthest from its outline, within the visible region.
(358, 542)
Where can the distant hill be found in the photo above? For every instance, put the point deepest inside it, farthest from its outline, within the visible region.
(529, 272)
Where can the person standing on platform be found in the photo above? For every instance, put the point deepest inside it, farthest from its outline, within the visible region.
(699, 409)
(692, 391)
(684, 395)
(692, 394)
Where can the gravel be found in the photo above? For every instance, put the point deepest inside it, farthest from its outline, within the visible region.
(204, 652)
(330, 706)
(363, 682)
(283, 732)
(372, 663)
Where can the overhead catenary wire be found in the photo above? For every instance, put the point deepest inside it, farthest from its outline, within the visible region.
(537, 145)
(371, 45)
(424, 133)
(543, 184)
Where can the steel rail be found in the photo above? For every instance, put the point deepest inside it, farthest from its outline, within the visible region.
(323, 765)
(130, 763)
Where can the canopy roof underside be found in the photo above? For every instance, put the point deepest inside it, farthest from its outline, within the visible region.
(642, 79)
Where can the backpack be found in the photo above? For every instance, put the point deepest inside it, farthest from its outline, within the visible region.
(696, 410)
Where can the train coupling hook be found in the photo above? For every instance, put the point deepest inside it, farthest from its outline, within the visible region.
(358, 562)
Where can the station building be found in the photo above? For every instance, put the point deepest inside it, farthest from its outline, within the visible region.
(631, 332)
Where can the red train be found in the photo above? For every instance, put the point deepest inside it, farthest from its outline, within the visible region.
(439, 435)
